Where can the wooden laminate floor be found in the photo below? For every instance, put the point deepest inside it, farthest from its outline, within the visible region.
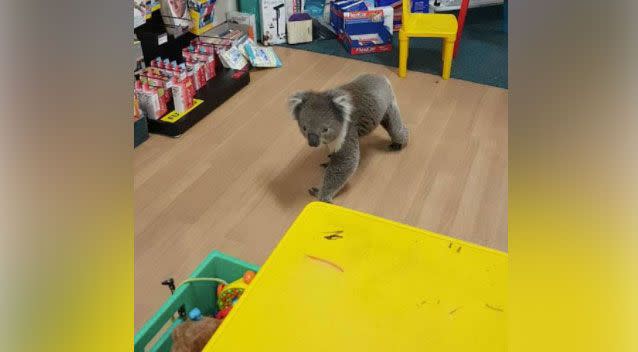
(237, 180)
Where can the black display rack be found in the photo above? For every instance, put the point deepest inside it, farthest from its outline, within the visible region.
(219, 89)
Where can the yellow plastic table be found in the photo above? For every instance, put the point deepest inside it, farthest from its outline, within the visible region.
(341, 280)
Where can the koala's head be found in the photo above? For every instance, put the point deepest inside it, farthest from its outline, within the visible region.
(322, 116)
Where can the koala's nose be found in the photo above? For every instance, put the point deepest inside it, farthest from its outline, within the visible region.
(313, 140)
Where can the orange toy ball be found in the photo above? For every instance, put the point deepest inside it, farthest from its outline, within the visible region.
(249, 276)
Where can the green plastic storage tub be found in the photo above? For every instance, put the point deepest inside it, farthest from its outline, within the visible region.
(200, 295)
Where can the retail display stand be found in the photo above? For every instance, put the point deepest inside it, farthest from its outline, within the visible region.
(156, 42)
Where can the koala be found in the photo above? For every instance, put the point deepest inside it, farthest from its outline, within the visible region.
(338, 117)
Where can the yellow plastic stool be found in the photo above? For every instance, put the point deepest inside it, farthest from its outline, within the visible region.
(426, 25)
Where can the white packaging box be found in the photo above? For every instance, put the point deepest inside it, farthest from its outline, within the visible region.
(273, 21)
(300, 31)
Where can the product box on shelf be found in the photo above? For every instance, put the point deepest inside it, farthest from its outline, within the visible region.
(233, 58)
(260, 56)
(150, 101)
(176, 17)
(154, 4)
(187, 74)
(361, 28)
(273, 21)
(397, 6)
(338, 8)
(182, 99)
(226, 41)
(155, 76)
(367, 31)
(202, 13)
(158, 80)
(205, 55)
(246, 19)
(299, 28)
(140, 127)
(199, 72)
(224, 36)
(140, 12)
(164, 80)
(172, 69)
(139, 57)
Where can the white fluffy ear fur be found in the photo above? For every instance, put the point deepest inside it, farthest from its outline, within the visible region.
(336, 145)
(342, 99)
(294, 102)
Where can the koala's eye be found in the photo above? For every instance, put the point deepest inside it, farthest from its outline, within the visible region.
(304, 128)
(325, 129)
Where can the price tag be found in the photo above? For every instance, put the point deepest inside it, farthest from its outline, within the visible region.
(162, 38)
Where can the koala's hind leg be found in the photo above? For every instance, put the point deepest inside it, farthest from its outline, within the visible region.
(395, 127)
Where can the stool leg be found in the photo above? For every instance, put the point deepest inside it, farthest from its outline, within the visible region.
(448, 51)
(404, 45)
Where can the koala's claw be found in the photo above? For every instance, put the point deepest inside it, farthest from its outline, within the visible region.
(314, 191)
(323, 164)
(395, 147)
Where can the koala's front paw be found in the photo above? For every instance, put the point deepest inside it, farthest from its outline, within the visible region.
(314, 191)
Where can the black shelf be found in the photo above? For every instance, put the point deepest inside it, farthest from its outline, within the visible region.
(219, 89)
(225, 84)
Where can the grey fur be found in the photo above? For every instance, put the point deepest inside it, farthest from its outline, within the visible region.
(339, 117)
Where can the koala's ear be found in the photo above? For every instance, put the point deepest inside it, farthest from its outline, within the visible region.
(343, 102)
(295, 102)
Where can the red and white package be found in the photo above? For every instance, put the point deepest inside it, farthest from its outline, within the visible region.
(206, 54)
(181, 96)
(198, 68)
(189, 77)
(149, 100)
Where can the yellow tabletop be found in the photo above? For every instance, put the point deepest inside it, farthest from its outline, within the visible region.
(341, 280)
